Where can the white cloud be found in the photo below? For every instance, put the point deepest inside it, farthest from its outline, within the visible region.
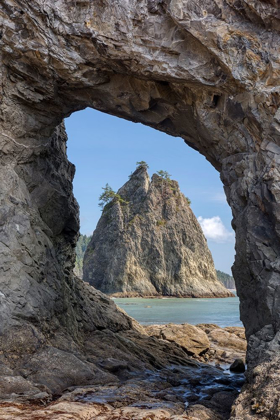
(214, 229)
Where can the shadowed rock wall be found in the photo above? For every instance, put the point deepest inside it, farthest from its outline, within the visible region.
(205, 71)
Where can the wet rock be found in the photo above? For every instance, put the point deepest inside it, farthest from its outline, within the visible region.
(224, 399)
(161, 395)
(193, 340)
(238, 366)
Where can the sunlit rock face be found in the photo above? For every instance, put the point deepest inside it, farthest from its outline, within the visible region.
(205, 71)
(149, 243)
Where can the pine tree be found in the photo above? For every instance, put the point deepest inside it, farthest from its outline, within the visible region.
(107, 196)
(142, 164)
(164, 174)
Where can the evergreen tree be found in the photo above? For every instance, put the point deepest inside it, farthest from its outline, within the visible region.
(107, 196)
(142, 164)
(164, 174)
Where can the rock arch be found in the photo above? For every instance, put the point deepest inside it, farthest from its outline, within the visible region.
(205, 71)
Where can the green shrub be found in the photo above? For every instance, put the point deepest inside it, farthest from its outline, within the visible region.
(108, 196)
(164, 174)
(142, 164)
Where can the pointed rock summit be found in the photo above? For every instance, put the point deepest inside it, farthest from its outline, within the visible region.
(149, 243)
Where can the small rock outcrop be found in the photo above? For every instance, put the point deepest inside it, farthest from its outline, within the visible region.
(205, 342)
(238, 366)
(226, 344)
(149, 243)
(192, 339)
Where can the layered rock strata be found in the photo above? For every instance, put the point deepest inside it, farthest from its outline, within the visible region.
(205, 71)
(192, 339)
(205, 342)
(150, 243)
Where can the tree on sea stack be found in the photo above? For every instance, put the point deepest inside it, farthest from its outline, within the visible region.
(142, 164)
(164, 175)
(107, 196)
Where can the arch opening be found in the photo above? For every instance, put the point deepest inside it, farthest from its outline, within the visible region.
(161, 65)
(105, 149)
(46, 179)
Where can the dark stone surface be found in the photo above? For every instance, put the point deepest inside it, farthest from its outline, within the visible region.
(238, 366)
(184, 67)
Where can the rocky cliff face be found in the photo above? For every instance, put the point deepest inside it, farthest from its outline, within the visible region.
(202, 70)
(81, 247)
(151, 244)
(226, 279)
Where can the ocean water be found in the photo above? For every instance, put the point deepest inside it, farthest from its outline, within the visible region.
(223, 312)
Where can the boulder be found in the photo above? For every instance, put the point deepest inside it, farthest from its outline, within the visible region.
(238, 366)
(239, 331)
(223, 338)
(226, 344)
(192, 339)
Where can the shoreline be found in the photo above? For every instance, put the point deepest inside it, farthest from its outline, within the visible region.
(136, 295)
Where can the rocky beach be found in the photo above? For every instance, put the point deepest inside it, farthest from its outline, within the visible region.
(197, 385)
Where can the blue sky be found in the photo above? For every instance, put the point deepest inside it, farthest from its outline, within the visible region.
(105, 149)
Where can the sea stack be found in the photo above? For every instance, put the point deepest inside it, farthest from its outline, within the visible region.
(148, 242)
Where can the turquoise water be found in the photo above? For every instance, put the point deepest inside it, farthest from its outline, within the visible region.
(223, 312)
